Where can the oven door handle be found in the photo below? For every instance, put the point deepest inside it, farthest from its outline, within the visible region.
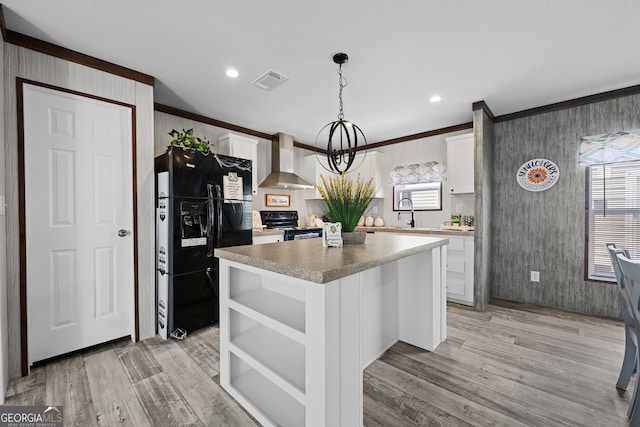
(309, 235)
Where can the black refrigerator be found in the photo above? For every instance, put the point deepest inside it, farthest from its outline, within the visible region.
(203, 202)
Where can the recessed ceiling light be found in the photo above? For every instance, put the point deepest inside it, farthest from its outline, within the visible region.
(232, 72)
(435, 98)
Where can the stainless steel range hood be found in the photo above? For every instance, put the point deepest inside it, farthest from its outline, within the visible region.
(282, 175)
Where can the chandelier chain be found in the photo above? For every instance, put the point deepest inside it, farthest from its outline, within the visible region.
(342, 82)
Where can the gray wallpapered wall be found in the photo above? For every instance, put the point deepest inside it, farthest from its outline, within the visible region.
(545, 231)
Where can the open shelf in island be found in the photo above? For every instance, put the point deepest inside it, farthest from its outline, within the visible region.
(265, 400)
(269, 348)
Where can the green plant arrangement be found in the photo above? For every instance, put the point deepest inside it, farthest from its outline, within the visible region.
(346, 200)
(185, 139)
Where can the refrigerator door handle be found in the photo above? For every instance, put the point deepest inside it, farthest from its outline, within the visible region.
(219, 216)
(210, 219)
(212, 283)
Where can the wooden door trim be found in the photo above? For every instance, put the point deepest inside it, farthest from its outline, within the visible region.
(20, 82)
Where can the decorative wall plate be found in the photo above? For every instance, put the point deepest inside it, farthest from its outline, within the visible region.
(538, 174)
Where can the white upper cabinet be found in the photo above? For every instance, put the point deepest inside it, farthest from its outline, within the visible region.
(369, 167)
(244, 148)
(313, 169)
(460, 164)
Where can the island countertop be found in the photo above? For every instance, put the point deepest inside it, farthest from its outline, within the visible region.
(307, 259)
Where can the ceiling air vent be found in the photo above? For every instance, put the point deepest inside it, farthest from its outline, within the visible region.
(269, 79)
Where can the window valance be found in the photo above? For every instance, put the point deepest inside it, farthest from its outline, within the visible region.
(417, 173)
(614, 147)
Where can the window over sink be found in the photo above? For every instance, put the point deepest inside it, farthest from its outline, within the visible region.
(425, 196)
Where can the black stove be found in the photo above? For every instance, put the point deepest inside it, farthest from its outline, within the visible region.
(287, 221)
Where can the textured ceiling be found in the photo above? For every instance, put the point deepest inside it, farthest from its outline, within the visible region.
(514, 55)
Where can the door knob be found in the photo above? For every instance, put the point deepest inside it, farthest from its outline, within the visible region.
(122, 232)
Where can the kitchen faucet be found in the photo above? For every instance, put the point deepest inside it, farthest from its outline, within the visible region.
(412, 224)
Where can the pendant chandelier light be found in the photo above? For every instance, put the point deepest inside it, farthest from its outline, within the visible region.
(344, 136)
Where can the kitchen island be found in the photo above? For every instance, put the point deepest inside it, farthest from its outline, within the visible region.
(299, 322)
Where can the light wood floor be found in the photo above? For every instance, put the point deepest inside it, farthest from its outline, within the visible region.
(511, 365)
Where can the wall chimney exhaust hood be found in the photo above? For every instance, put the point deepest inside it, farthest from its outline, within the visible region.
(282, 175)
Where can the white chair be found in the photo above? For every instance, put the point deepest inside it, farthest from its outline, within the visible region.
(631, 275)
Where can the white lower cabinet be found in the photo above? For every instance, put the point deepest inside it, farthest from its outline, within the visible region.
(460, 269)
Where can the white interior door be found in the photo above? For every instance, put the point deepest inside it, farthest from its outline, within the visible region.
(78, 199)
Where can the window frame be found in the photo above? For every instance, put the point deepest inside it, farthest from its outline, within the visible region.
(396, 208)
(590, 233)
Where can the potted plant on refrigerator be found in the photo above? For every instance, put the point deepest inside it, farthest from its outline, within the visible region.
(186, 140)
(346, 201)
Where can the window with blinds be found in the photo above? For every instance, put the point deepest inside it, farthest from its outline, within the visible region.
(613, 204)
(422, 197)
